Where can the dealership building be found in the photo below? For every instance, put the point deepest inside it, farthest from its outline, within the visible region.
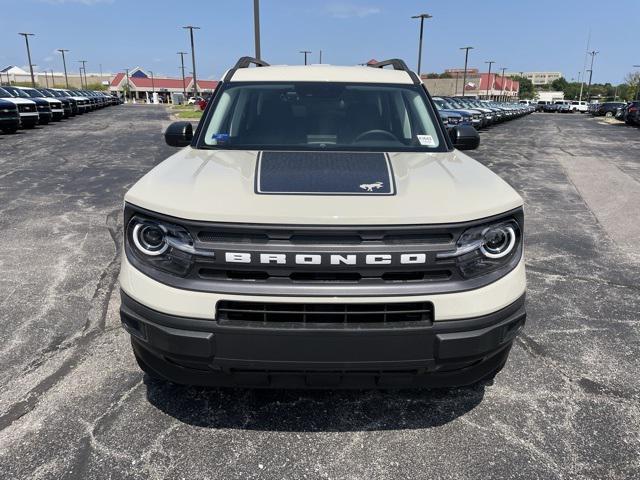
(481, 85)
(142, 85)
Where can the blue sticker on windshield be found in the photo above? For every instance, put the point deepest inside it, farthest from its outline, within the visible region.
(220, 138)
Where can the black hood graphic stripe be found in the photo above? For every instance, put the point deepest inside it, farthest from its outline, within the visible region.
(324, 173)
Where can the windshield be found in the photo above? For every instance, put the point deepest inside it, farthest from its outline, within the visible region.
(44, 93)
(33, 93)
(16, 92)
(319, 116)
(5, 94)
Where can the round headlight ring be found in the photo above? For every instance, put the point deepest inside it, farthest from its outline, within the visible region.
(144, 245)
(505, 248)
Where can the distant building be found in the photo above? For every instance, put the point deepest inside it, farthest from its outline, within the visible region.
(541, 78)
(12, 75)
(479, 85)
(142, 85)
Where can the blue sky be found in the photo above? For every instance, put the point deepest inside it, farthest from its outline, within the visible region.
(521, 35)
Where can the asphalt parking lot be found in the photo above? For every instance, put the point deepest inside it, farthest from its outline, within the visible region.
(73, 404)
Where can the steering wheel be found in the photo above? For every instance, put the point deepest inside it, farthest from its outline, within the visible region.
(383, 133)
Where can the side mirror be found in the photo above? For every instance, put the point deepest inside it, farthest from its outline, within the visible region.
(465, 137)
(179, 134)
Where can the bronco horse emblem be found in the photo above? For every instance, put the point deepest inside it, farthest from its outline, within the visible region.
(370, 186)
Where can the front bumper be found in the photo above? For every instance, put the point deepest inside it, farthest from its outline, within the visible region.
(176, 334)
(200, 352)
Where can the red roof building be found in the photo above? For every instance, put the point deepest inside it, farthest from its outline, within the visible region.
(142, 85)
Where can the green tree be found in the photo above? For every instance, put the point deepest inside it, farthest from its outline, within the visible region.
(560, 84)
(527, 90)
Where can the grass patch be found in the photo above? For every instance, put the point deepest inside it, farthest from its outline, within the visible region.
(189, 114)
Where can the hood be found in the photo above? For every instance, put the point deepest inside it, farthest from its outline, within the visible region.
(19, 101)
(220, 186)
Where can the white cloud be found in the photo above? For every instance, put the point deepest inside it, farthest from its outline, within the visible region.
(349, 10)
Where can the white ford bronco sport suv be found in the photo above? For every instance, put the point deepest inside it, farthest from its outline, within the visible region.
(321, 229)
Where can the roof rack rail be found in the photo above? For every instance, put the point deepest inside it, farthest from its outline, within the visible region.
(398, 64)
(244, 62)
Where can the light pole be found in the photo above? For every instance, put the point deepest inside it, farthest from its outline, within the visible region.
(64, 64)
(256, 26)
(84, 68)
(593, 53)
(421, 16)
(502, 93)
(53, 80)
(466, 57)
(128, 94)
(26, 39)
(320, 58)
(638, 87)
(490, 62)
(305, 52)
(184, 87)
(153, 87)
(191, 28)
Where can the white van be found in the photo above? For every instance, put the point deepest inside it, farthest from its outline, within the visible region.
(577, 106)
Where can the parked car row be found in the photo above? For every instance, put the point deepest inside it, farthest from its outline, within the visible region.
(456, 111)
(26, 107)
(629, 113)
(606, 109)
(561, 106)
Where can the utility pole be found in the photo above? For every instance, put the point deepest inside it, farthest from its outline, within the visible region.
(305, 52)
(421, 16)
(84, 68)
(81, 81)
(184, 87)
(320, 59)
(466, 57)
(191, 28)
(638, 87)
(128, 94)
(26, 39)
(502, 94)
(100, 74)
(153, 87)
(593, 53)
(489, 80)
(53, 80)
(64, 64)
(256, 26)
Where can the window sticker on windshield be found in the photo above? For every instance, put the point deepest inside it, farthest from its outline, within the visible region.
(426, 140)
(220, 138)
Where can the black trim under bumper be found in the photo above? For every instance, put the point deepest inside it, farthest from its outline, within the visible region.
(204, 352)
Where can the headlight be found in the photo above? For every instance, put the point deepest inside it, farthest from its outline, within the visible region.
(486, 248)
(162, 245)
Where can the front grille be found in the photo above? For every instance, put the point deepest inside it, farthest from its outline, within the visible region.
(284, 236)
(324, 276)
(26, 108)
(324, 313)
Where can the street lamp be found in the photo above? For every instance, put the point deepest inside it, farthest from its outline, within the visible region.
(64, 63)
(305, 52)
(256, 26)
(184, 87)
(191, 28)
(466, 57)
(26, 39)
(502, 93)
(490, 62)
(153, 87)
(593, 54)
(638, 87)
(422, 16)
(84, 68)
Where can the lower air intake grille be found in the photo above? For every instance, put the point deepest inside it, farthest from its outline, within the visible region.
(337, 313)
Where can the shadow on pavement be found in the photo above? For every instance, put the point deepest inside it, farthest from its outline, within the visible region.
(312, 411)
